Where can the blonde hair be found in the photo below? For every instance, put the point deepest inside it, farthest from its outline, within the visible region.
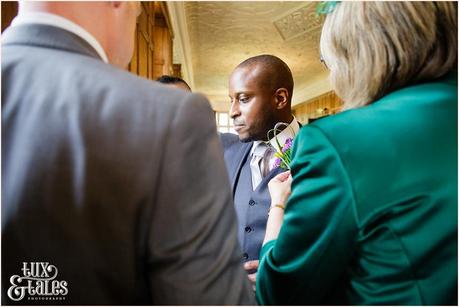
(373, 48)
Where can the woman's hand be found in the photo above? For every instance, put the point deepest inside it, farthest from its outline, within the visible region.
(279, 188)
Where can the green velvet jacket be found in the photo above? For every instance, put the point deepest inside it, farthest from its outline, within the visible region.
(372, 218)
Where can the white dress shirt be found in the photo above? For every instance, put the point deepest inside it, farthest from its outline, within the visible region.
(59, 22)
(259, 147)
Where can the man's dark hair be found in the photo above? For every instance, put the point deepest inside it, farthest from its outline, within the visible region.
(165, 79)
(275, 72)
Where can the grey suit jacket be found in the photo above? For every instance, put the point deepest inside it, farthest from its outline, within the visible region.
(115, 180)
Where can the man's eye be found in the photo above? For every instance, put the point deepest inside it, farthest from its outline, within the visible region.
(243, 99)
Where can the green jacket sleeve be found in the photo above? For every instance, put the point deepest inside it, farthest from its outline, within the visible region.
(318, 236)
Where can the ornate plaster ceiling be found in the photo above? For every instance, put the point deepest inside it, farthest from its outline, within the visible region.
(223, 34)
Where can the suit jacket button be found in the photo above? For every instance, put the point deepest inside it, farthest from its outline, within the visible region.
(245, 256)
(252, 202)
(248, 229)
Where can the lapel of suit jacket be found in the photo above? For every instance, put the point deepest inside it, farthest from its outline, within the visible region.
(273, 173)
(240, 157)
(47, 37)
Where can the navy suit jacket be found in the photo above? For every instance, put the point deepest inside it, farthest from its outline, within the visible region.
(251, 206)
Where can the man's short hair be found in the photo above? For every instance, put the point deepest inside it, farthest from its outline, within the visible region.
(275, 72)
(165, 79)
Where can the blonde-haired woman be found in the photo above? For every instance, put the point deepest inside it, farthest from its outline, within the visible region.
(372, 214)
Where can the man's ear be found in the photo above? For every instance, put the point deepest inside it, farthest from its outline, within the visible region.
(282, 97)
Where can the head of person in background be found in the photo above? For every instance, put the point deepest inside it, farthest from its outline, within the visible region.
(364, 67)
(260, 89)
(175, 82)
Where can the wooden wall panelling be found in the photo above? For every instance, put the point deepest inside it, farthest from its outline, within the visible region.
(143, 55)
(158, 58)
(151, 51)
(162, 57)
(143, 42)
(177, 70)
(134, 64)
(153, 54)
(167, 52)
(317, 107)
(169, 35)
(151, 27)
(141, 63)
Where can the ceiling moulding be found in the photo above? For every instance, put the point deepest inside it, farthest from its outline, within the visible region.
(301, 21)
(182, 38)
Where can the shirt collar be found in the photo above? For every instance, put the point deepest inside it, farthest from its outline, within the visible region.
(258, 148)
(288, 133)
(60, 22)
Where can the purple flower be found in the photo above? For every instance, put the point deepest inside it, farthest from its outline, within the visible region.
(277, 163)
(288, 145)
(283, 153)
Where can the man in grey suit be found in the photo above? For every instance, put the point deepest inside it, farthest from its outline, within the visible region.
(261, 90)
(110, 195)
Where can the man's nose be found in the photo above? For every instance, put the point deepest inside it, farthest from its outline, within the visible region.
(234, 110)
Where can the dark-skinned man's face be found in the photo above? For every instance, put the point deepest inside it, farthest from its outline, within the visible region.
(253, 106)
